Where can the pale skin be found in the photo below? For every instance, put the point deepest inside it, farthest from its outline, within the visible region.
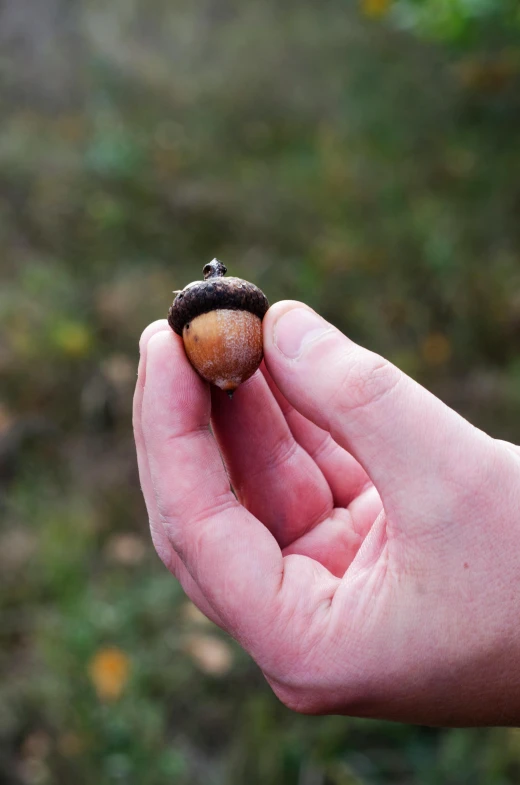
(370, 559)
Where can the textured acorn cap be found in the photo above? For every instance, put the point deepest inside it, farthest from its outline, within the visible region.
(216, 292)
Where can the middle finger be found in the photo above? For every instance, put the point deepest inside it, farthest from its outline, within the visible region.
(272, 475)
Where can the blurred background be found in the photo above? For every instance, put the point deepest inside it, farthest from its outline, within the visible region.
(362, 156)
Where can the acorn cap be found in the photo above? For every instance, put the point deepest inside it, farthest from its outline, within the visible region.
(215, 292)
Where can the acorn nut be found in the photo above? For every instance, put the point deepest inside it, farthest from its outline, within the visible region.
(220, 321)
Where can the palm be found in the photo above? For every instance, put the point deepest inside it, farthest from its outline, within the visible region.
(311, 494)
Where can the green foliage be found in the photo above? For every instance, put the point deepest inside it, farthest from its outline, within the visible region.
(360, 156)
(456, 20)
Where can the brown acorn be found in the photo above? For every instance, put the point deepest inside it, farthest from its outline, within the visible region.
(220, 321)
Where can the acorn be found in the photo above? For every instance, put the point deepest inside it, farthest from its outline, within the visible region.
(220, 321)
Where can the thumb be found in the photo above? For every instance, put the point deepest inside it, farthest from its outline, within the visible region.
(402, 435)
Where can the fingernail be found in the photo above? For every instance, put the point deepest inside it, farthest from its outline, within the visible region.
(296, 329)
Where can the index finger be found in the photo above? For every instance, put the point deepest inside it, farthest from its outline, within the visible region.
(233, 558)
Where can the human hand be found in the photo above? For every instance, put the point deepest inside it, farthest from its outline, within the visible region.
(369, 561)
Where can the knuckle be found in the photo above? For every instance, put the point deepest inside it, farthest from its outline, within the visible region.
(282, 450)
(189, 532)
(325, 447)
(365, 382)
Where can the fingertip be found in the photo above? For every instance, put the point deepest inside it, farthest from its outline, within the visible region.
(166, 361)
(292, 329)
(160, 325)
(270, 327)
(174, 390)
(276, 311)
(160, 337)
(160, 346)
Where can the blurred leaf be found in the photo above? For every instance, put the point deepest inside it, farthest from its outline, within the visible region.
(72, 339)
(212, 655)
(375, 8)
(109, 670)
(436, 349)
(126, 549)
(70, 744)
(192, 615)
